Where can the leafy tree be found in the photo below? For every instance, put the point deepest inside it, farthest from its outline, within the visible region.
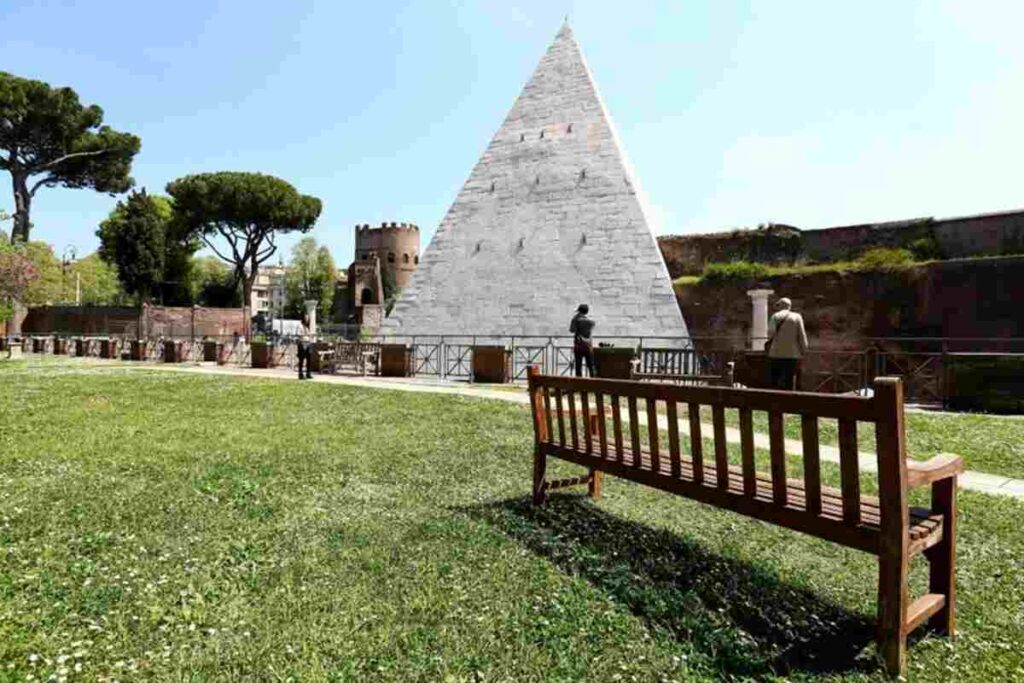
(98, 283)
(311, 275)
(51, 285)
(391, 291)
(244, 213)
(55, 283)
(51, 139)
(140, 239)
(213, 284)
(16, 275)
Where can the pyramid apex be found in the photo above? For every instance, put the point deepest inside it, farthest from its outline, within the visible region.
(565, 31)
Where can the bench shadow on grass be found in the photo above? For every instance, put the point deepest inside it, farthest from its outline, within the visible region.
(744, 617)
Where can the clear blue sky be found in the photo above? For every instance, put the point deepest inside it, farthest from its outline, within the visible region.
(733, 113)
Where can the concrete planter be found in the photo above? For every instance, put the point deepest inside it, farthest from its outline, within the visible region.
(211, 351)
(395, 360)
(263, 355)
(109, 348)
(614, 362)
(492, 364)
(172, 352)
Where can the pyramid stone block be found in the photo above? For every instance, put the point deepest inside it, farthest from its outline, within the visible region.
(549, 218)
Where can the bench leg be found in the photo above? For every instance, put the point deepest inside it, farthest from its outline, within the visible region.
(942, 557)
(594, 487)
(540, 466)
(893, 601)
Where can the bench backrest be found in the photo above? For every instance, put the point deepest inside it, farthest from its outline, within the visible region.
(566, 410)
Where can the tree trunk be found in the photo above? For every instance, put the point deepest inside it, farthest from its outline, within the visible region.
(22, 204)
(247, 282)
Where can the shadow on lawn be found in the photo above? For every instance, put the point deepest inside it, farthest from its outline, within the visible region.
(747, 620)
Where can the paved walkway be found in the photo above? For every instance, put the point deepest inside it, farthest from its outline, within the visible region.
(974, 481)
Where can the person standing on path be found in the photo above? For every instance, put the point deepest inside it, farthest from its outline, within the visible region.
(305, 347)
(787, 343)
(582, 329)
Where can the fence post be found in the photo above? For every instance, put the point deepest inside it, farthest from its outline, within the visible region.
(513, 350)
(944, 374)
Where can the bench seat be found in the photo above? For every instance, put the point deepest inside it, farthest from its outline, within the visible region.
(925, 526)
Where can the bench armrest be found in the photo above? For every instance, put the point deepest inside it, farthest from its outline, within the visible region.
(941, 466)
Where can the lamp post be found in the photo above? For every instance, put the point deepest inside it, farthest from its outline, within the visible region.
(67, 260)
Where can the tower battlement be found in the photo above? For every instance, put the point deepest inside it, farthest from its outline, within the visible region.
(396, 246)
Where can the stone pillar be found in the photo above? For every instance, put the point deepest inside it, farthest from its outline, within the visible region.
(311, 316)
(759, 319)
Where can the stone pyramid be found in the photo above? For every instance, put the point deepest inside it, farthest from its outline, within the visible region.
(549, 218)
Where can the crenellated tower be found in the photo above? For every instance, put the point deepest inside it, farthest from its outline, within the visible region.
(396, 245)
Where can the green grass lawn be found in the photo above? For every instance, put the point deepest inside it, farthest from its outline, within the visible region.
(171, 526)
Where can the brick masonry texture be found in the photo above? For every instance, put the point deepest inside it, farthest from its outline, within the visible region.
(550, 217)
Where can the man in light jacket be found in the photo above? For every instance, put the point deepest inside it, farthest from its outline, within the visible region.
(787, 343)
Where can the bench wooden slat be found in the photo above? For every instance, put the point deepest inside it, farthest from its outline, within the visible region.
(588, 437)
(572, 421)
(547, 413)
(849, 470)
(696, 442)
(652, 434)
(673, 439)
(721, 447)
(602, 425)
(747, 451)
(617, 426)
(561, 417)
(812, 462)
(634, 428)
(777, 449)
(822, 405)
(923, 608)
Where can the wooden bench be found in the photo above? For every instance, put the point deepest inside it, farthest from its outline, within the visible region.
(581, 420)
(726, 379)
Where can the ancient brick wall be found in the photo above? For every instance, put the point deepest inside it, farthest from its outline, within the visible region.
(687, 254)
(151, 321)
(185, 321)
(84, 320)
(968, 298)
(994, 234)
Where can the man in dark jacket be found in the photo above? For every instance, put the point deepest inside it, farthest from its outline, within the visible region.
(582, 329)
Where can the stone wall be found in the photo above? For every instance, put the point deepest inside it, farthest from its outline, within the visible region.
(994, 234)
(968, 298)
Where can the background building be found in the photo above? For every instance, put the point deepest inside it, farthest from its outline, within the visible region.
(397, 247)
(268, 292)
(385, 259)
